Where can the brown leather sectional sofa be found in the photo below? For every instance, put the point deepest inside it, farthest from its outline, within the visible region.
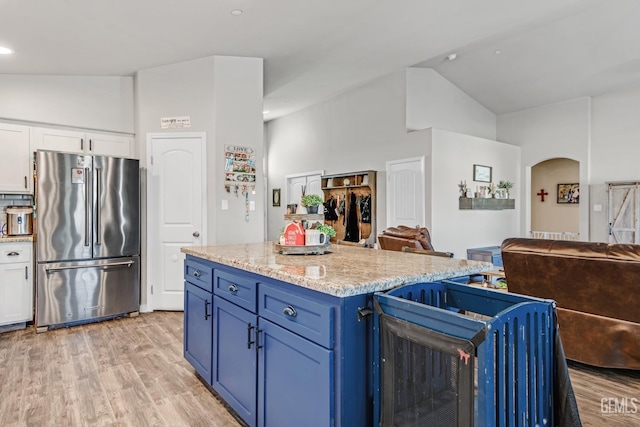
(597, 290)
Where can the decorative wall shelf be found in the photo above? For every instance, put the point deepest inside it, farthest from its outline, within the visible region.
(486, 204)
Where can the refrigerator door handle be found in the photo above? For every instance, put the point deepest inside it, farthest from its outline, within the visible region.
(98, 206)
(87, 208)
(76, 267)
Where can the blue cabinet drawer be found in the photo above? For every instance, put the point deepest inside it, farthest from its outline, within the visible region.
(198, 273)
(236, 288)
(298, 313)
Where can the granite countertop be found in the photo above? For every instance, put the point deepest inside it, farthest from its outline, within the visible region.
(15, 239)
(346, 271)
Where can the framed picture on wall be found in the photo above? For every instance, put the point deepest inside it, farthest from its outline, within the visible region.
(481, 173)
(276, 197)
(569, 193)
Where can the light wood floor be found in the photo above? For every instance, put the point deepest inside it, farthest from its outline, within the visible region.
(131, 372)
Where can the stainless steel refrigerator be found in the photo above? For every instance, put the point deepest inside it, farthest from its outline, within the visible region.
(87, 238)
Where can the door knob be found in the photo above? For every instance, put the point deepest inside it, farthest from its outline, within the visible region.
(196, 234)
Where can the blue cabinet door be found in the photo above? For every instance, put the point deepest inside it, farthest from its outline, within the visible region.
(235, 357)
(198, 323)
(295, 380)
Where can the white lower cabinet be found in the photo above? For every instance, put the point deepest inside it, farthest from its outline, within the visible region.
(16, 283)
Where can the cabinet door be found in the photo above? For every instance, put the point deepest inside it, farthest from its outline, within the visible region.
(15, 161)
(110, 145)
(58, 140)
(295, 380)
(198, 323)
(235, 358)
(16, 293)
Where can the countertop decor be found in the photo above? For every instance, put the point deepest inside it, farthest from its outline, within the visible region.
(346, 270)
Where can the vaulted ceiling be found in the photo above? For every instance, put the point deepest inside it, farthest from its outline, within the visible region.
(549, 50)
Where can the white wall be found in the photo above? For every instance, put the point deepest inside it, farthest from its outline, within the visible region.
(557, 130)
(102, 103)
(223, 97)
(615, 137)
(359, 130)
(433, 101)
(237, 120)
(453, 156)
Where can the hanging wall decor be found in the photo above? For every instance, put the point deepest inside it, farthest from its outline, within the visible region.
(239, 169)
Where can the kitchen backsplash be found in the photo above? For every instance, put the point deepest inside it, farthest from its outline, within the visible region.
(8, 200)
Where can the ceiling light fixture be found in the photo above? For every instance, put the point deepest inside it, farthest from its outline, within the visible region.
(265, 112)
(452, 56)
(236, 12)
(5, 51)
(497, 52)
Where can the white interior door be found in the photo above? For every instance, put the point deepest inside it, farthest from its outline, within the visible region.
(176, 212)
(624, 222)
(405, 192)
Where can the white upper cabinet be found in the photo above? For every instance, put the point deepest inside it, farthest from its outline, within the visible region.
(15, 159)
(83, 143)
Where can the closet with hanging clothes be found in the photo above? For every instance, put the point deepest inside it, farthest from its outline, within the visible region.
(350, 206)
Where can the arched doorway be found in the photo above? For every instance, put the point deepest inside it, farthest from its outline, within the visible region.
(558, 215)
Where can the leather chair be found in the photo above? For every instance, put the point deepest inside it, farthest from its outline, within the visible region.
(411, 238)
(597, 291)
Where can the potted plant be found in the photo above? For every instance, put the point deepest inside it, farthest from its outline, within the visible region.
(326, 229)
(506, 186)
(311, 201)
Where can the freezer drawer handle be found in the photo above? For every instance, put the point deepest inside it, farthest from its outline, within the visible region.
(14, 253)
(77, 267)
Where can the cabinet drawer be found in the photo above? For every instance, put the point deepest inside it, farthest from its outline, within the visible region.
(236, 288)
(199, 274)
(310, 319)
(15, 252)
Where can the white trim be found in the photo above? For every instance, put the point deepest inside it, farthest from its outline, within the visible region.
(174, 135)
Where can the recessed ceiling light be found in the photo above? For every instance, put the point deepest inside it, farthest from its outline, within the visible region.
(5, 51)
(452, 56)
(497, 52)
(265, 112)
(236, 12)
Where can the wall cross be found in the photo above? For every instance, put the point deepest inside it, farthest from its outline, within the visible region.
(542, 193)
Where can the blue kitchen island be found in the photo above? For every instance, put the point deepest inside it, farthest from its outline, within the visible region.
(285, 340)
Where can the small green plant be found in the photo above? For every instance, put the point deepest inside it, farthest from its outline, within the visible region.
(311, 200)
(507, 185)
(326, 229)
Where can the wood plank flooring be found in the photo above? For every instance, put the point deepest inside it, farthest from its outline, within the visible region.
(131, 372)
(124, 372)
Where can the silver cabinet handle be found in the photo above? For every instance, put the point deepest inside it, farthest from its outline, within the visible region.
(233, 288)
(196, 234)
(14, 253)
(289, 311)
(197, 273)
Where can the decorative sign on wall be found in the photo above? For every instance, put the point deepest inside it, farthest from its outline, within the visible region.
(175, 122)
(239, 169)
